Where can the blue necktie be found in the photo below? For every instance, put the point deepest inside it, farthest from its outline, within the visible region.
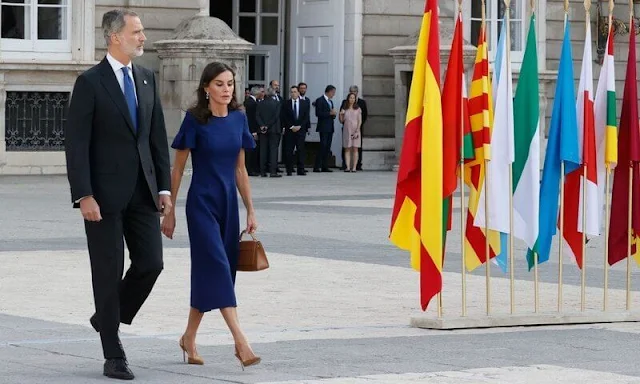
(130, 96)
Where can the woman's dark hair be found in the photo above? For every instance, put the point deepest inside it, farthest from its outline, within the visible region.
(200, 110)
(355, 101)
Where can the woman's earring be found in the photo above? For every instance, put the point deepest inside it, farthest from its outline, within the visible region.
(207, 95)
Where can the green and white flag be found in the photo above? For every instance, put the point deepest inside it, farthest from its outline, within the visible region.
(526, 167)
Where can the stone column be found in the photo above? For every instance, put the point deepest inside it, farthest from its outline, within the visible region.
(195, 43)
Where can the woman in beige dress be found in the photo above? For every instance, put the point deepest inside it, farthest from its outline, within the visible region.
(351, 118)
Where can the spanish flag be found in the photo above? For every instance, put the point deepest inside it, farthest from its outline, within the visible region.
(417, 220)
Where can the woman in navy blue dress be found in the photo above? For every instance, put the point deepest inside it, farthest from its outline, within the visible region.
(215, 132)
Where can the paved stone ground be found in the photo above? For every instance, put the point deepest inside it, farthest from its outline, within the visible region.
(333, 308)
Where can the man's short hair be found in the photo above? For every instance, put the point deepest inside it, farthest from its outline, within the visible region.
(271, 92)
(255, 91)
(114, 22)
(353, 88)
(300, 84)
(294, 87)
(329, 88)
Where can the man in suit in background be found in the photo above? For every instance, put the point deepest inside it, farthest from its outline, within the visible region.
(363, 107)
(295, 118)
(252, 155)
(326, 113)
(270, 130)
(118, 170)
(275, 84)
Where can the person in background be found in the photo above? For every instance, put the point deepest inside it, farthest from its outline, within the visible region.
(326, 113)
(294, 117)
(363, 107)
(270, 131)
(252, 155)
(351, 117)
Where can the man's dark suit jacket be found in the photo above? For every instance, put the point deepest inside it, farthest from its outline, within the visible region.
(250, 106)
(104, 154)
(325, 120)
(287, 116)
(268, 115)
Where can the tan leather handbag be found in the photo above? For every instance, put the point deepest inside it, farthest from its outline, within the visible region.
(252, 257)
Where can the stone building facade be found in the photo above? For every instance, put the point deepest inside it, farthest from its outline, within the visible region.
(43, 48)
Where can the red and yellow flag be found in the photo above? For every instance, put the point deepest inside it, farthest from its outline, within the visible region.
(417, 220)
(481, 112)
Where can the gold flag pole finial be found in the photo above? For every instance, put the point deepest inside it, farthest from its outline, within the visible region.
(460, 6)
(587, 6)
(631, 9)
(533, 6)
(566, 6)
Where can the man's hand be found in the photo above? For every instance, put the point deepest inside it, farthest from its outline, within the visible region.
(165, 204)
(333, 112)
(90, 209)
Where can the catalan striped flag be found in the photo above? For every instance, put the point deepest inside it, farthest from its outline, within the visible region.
(417, 218)
(481, 112)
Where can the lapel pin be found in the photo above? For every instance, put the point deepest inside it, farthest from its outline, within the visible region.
(144, 81)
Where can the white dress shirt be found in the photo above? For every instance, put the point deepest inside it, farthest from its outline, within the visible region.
(117, 69)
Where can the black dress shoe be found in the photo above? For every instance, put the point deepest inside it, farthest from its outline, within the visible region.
(118, 369)
(316, 169)
(275, 175)
(289, 173)
(302, 173)
(326, 170)
(94, 322)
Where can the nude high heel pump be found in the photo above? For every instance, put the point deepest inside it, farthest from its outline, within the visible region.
(197, 360)
(245, 363)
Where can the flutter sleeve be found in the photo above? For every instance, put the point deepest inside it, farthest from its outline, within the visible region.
(186, 137)
(247, 138)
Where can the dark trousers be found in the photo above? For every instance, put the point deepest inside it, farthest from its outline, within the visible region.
(294, 141)
(269, 143)
(118, 300)
(252, 159)
(322, 158)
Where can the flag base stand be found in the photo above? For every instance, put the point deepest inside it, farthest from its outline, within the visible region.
(522, 320)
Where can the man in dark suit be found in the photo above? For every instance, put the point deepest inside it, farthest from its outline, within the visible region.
(295, 117)
(268, 118)
(252, 155)
(118, 169)
(363, 107)
(326, 113)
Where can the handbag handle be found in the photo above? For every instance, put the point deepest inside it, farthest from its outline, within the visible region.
(250, 234)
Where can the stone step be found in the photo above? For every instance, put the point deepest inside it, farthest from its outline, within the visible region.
(378, 144)
(378, 160)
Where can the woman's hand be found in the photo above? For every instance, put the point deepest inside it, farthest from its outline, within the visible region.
(168, 225)
(252, 224)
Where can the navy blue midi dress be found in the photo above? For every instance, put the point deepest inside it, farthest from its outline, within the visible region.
(212, 205)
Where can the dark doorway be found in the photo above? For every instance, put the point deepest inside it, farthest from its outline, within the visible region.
(223, 10)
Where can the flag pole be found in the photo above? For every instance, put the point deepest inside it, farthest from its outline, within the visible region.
(536, 299)
(607, 205)
(561, 212)
(487, 255)
(583, 275)
(629, 222)
(507, 3)
(462, 210)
